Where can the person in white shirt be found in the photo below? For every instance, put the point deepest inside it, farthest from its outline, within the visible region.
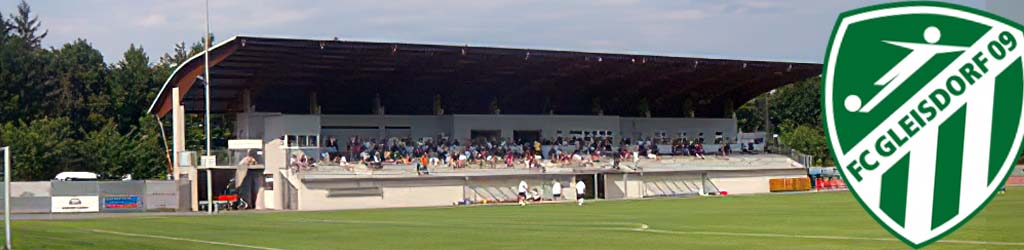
(522, 192)
(556, 190)
(581, 189)
(534, 195)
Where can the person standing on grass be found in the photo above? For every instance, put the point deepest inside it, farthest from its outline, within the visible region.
(556, 191)
(522, 192)
(581, 189)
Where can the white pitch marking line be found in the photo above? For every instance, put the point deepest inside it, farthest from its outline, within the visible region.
(645, 228)
(380, 222)
(184, 239)
(408, 223)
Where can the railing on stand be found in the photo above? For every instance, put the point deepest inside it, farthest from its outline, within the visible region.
(232, 157)
(804, 159)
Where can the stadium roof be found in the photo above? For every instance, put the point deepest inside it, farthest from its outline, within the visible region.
(349, 75)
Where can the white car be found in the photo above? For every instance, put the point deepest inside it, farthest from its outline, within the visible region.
(77, 176)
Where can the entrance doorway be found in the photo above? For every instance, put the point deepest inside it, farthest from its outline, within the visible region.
(247, 189)
(484, 134)
(595, 185)
(526, 135)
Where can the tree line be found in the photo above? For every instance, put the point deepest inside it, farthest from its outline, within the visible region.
(794, 112)
(65, 109)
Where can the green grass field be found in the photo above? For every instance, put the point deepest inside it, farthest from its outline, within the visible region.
(798, 221)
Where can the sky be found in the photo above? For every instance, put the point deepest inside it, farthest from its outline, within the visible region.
(795, 31)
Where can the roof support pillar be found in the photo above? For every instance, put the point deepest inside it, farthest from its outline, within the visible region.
(178, 130)
(247, 101)
(314, 105)
(178, 139)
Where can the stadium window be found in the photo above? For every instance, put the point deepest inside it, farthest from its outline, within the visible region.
(313, 141)
(302, 141)
(290, 140)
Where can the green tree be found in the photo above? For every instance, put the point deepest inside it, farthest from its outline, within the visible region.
(797, 103)
(797, 110)
(807, 139)
(750, 116)
(40, 149)
(64, 109)
(169, 61)
(132, 86)
(22, 80)
(77, 89)
(110, 153)
(5, 28)
(26, 27)
(195, 131)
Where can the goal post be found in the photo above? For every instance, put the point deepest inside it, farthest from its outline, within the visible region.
(7, 197)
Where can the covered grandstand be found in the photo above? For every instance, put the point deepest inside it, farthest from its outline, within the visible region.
(290, 95)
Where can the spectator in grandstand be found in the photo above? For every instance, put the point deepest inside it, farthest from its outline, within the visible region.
(698, 150)
(616, 158)
(421, 165)
(463, 157)
(581, 189)
(653, 152)
(353, 148)
(556, 190)
(509, 160)
(325, 157)
(434, 160)
(331, 145)
(248, 160)
(522, 192)
(377, 156)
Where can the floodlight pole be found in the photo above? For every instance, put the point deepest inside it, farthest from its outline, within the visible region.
(206, 71)
(7, 196)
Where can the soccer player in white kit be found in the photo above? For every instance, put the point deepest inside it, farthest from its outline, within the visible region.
(581, 189)
(522, 192)
(556, 190)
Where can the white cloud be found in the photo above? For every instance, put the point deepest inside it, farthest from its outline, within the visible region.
(684, 15)
(152, 20)
(756, 29)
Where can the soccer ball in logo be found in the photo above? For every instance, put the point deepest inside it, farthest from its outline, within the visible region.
(924, 106)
